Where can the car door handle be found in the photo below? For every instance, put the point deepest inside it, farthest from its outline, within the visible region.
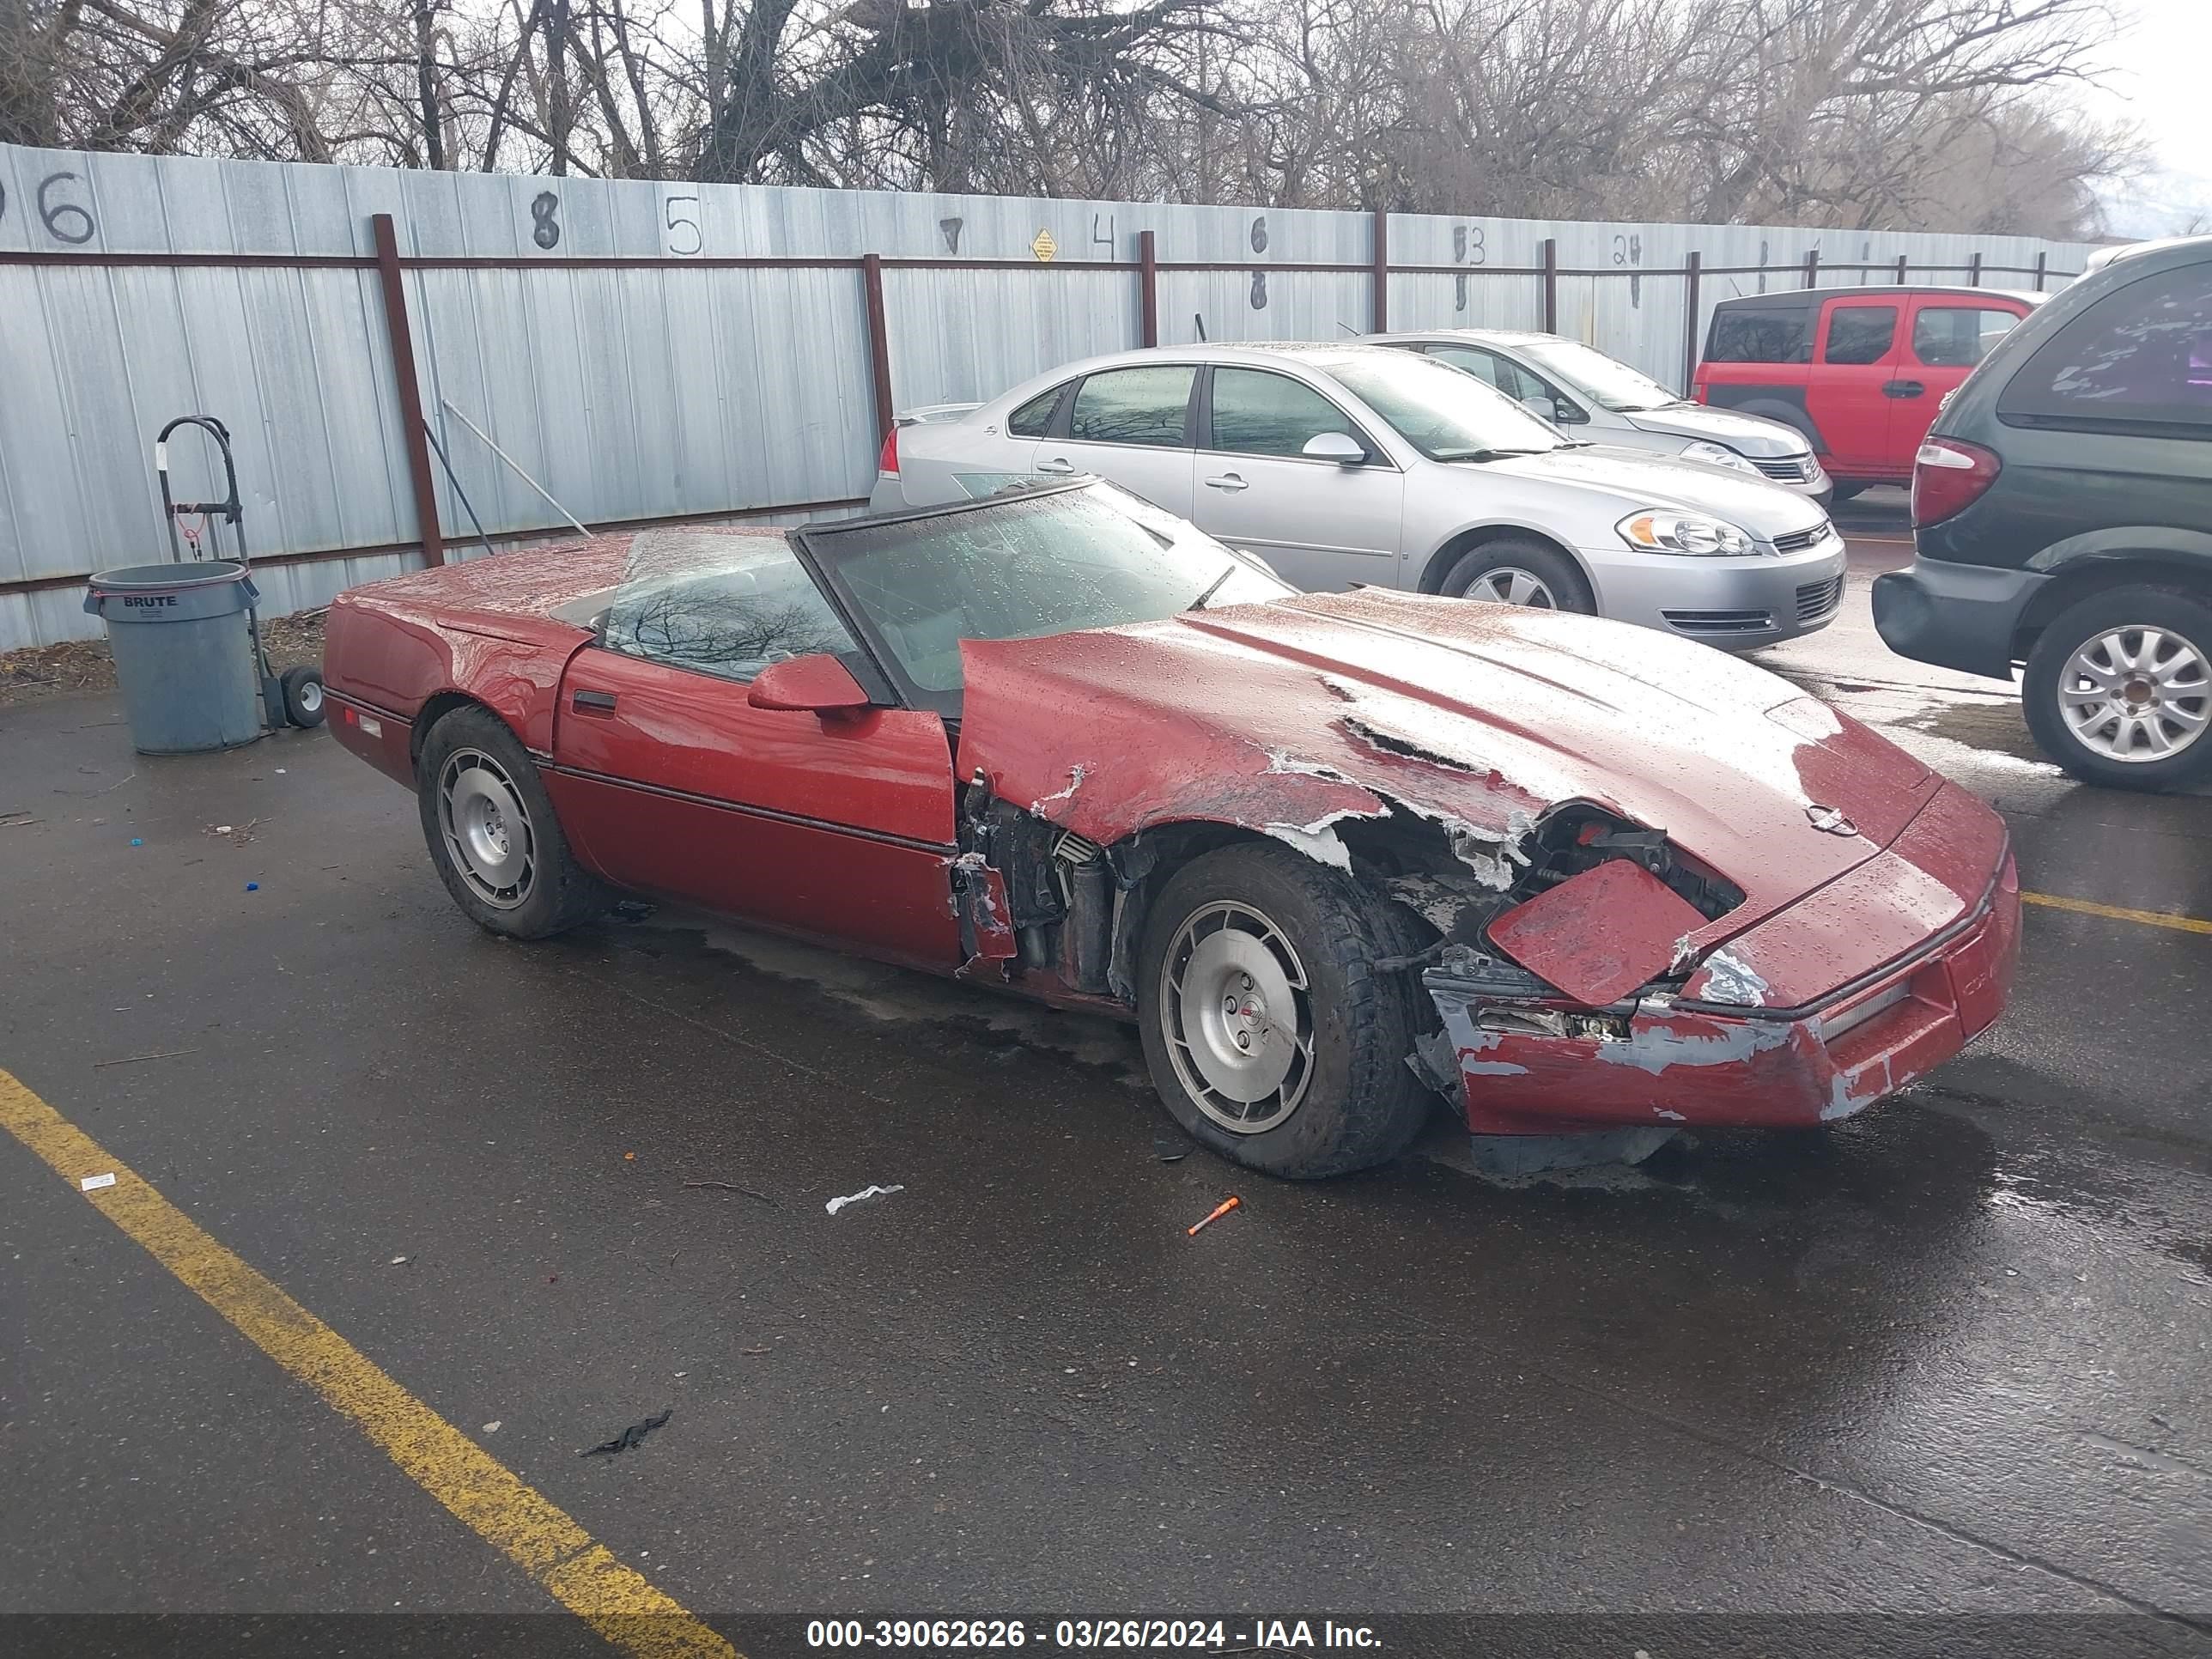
(594, 702)
(1227, 481)
(1902, 389)
(1058, 464)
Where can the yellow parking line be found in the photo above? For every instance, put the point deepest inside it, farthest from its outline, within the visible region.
(487, 1497)
(2115, 913)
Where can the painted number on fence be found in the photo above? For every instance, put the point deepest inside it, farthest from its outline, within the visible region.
(545, 229)
(1467, 249)
(679, 217)
(65, 222)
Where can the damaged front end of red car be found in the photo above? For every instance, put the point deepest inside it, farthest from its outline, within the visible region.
(1668, 892)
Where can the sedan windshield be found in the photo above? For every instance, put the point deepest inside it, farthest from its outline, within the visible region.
(1611, 382)
(1446, 415)
(1023, 566)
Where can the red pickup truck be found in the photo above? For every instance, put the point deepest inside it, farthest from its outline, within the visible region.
(1859, 371)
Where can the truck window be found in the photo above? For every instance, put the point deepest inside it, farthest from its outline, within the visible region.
(1755, 335)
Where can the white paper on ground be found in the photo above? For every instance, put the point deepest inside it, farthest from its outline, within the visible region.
(837, 1204)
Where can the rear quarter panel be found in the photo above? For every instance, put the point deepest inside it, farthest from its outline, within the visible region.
(387, 660)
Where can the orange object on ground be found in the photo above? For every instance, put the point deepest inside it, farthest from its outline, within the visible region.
(1219, 1211)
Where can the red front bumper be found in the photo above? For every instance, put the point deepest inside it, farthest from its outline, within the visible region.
(1536, 1069)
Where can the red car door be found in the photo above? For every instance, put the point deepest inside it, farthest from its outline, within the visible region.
(836, 826)
(1950, 334)
(1850, 395)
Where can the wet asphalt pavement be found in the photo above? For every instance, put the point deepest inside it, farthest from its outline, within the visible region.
(1954, 1356)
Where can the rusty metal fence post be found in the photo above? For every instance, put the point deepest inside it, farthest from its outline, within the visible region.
(1692, 274)
(1148, 277)
(1551, 285)
(1813, 267)
(879, 342)
(1974, 271)
(410, 392)
(1900, 271)
(2042, 270)
(1382, 269)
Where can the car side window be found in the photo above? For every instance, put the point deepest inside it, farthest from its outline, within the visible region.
(1258, 413)
(1958, 336)
(1141, 405)
(1861, 334)
(2142, 355)
(729, 614)
(1490, 368)
(1031, 419)
(1753, 334)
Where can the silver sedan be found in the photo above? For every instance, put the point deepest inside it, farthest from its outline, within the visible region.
(1579, 388)
(1346, 465)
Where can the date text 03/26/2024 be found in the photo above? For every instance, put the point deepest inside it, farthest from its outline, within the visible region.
(1124, 1635)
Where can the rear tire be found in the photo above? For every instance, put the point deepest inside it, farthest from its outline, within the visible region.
(492, 831)
(1263, 942)
(1515, 571)
(1848, 492)
(2115, 676)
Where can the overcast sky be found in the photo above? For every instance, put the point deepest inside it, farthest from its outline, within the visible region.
(2160, 67)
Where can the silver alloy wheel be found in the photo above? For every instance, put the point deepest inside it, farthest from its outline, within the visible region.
(2135, 694)
(487, 827)
(1510, 584)
(1235, 1010)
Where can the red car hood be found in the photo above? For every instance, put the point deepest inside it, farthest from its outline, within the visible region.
(1291, 716)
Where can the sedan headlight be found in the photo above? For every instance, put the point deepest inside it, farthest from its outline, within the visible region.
(1718, 455)
(1658, 530)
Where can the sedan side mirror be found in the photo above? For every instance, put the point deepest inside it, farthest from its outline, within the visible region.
(818, 684)
(1339, 446)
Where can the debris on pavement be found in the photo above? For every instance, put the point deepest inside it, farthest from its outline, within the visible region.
(1219, 1211)
(632, 1435)
(94, 1183)
(397, 1261)
(132, 1059)
(492, 1427)
(837, 1204)
(17, 820)
(731, 1187)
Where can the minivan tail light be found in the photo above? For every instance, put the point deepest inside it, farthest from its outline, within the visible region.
(1949, 476)
(887, 462)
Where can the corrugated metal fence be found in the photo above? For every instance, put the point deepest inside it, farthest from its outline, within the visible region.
(657, 350)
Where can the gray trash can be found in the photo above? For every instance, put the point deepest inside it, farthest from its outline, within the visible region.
(182, 636)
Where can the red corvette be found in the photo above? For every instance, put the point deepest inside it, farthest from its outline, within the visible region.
(1335, 854)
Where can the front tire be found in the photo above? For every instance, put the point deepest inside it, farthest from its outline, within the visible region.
(1271, 1036)
(492, 831)
(2118, 688)
(1512, 570)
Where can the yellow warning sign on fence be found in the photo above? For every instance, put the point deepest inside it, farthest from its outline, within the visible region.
(1044, 248)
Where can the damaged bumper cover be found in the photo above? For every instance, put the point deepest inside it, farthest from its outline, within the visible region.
(1719, 1055)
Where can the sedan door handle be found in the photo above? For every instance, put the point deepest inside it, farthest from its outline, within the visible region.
(1227, 481)
(594, 702)
(1902, 389)
(1058, 464)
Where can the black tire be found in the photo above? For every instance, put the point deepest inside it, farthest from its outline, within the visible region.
(303, 696)
(2121, 611)
(1360, 1103)
(1569, 589)
(1849, 492)
(551, 891)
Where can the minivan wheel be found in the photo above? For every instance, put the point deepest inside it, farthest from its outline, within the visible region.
(2118, 688)
(1512, 571)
